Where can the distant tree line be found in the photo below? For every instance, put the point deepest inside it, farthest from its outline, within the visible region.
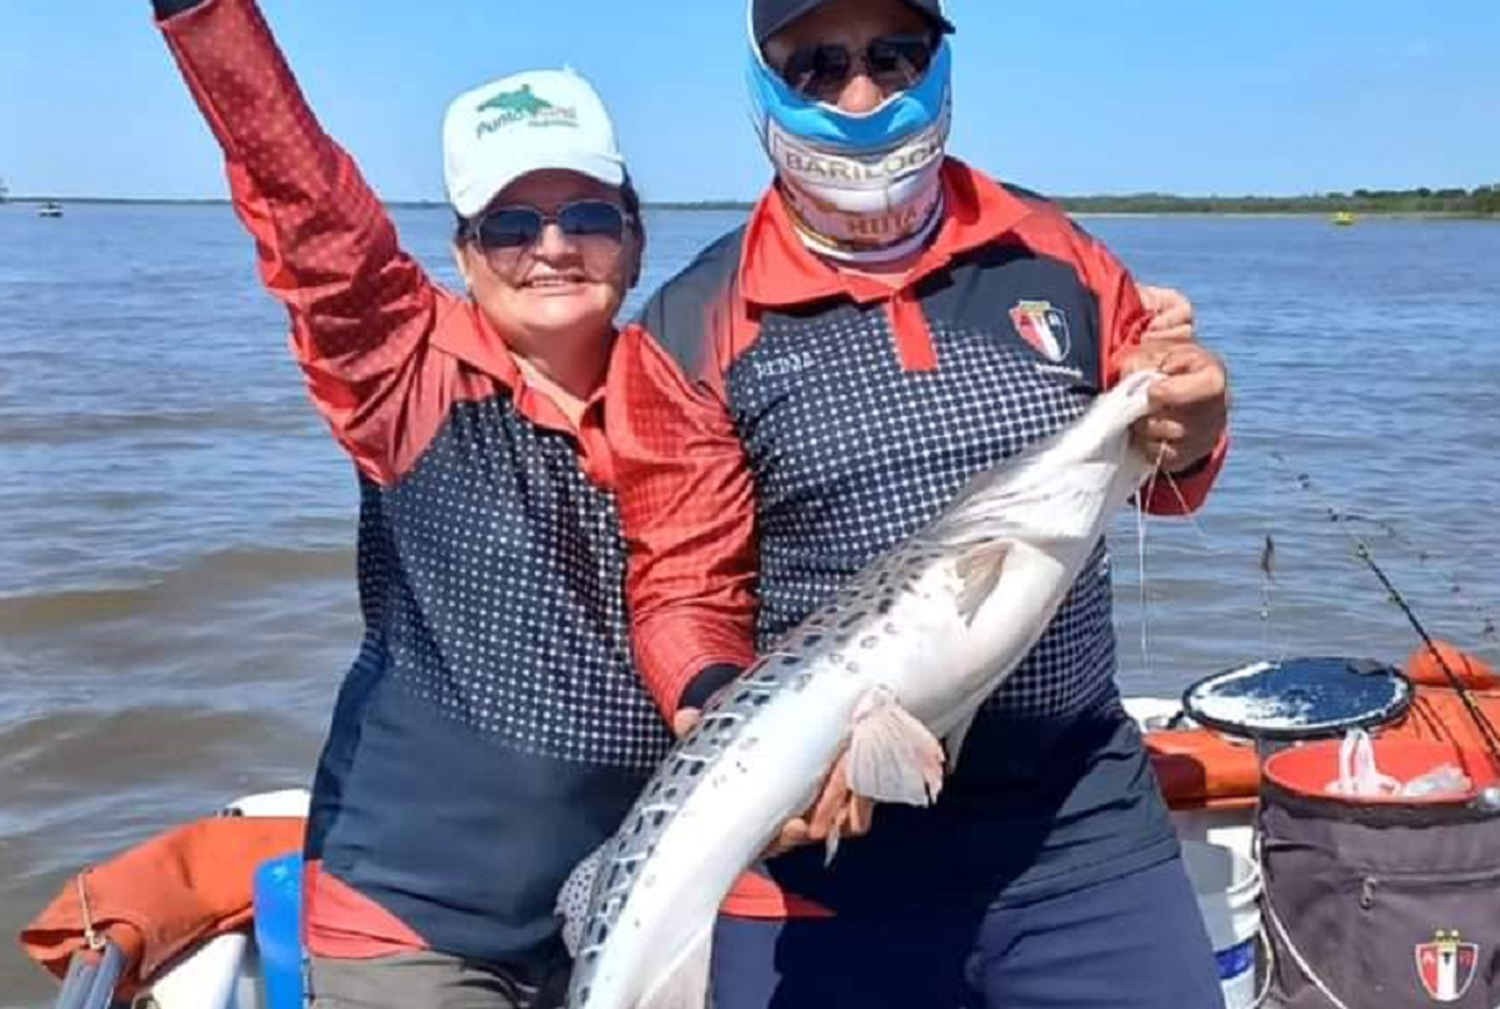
(1483, 201)
(736, 205)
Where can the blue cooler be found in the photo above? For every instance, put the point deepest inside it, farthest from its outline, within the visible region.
(278, 929)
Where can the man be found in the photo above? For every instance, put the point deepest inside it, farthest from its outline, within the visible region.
(809, 392)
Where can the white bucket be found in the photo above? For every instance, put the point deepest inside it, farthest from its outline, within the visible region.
(1227, 885)
(204, 979)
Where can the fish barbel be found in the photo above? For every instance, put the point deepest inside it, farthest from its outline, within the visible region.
(898, 660)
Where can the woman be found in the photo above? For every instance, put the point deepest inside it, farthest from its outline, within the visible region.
(491, 731)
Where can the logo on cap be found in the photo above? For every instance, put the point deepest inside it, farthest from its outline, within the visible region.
(521, 105)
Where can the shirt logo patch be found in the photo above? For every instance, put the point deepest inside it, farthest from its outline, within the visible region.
(792, 363)
(1044, 327)
(1446, 966)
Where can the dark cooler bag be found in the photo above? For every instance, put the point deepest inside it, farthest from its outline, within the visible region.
(1380, 903)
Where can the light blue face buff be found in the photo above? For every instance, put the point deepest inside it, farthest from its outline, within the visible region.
(900, 116)
(865, 185)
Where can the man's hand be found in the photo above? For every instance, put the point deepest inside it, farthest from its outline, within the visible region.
(1189, 407)
(1171, 314)
(837, 809)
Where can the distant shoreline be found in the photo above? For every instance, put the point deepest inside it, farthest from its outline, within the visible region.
(131, 201)
(1086, 206)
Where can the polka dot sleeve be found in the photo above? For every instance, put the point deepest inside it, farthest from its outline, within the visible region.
(687, 508)
(361, 309)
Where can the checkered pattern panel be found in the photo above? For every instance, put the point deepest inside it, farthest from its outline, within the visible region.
(494, 571)
(852, 454)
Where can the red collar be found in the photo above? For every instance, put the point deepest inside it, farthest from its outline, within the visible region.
(779, 271)
(465, 332)
(475, 341)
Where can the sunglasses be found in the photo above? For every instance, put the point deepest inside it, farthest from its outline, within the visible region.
(518, 228)
(893, 62)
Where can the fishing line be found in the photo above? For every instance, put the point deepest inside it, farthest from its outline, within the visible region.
(1140, 552)
(1187, 511)
(1366, 556)
(1140, 560)
(1267, 592)
(1488, 630)
(1269, 643)
(1149, 491)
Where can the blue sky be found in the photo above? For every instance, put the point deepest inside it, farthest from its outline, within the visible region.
(1275, 96)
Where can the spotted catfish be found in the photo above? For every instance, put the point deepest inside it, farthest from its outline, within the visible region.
(901, 658)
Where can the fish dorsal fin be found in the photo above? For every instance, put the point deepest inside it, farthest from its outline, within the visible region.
(574, 898)
(1038, 506)
(685, 985)
(892, 755)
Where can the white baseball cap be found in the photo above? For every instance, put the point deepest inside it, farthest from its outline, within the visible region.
(524, 123)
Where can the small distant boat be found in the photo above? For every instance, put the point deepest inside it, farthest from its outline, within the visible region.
(1344, 218)
(50, 209)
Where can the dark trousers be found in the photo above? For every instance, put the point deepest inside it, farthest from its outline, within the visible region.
(1135, 942)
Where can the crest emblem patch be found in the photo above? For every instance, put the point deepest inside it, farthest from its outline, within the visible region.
(1446, 966)
(1044, 327)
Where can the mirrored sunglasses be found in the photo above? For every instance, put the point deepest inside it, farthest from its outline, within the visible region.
(513, 228)
(893, 62)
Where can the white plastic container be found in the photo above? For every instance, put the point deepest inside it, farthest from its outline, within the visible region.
(209, 978)
(1228, 884)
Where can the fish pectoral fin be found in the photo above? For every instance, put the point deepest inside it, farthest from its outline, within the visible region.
(573, 899)
(953, 743)
(978, 574)
(685, 985)
(892, 756)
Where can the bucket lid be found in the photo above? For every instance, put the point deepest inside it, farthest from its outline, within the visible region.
(1299, 698)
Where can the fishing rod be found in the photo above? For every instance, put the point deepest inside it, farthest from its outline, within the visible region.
(1486, 728)
(1363, 552)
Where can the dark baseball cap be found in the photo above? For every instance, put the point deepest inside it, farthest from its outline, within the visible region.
(770, 16)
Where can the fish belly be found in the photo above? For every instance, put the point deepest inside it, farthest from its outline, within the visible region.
(769, 774)
(965, 661)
